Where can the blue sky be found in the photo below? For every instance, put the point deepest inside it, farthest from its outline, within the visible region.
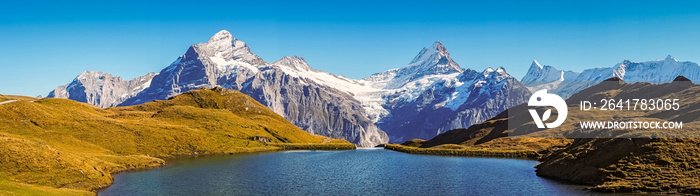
(46, 44)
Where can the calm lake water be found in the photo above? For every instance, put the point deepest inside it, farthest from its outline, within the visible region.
(355, 172)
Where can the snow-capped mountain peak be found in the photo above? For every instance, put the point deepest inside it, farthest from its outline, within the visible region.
(437, 46)
(547, 73)
(487, 71)
(91, 74)
(222, 40)
(670, 58)
(501, 71)
(535, 64)
(223, 48)
(434, 60)
(457, 99)
(294, 62)
(430, 62)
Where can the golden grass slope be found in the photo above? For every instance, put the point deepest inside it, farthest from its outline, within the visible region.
(17, 97)
(60, 143)
(462, 150)
(9, 188)
(485, 139)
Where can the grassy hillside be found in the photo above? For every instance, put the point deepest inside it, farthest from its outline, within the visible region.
(462, 150)
(17, 97)
(670, 166)
(8, 187)
(60, 143)
(489, 138)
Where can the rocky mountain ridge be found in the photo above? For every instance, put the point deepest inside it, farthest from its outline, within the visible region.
(102, 89)
(428, 96)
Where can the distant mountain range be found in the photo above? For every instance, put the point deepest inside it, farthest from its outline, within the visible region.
(566, 83)
(430, 95)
